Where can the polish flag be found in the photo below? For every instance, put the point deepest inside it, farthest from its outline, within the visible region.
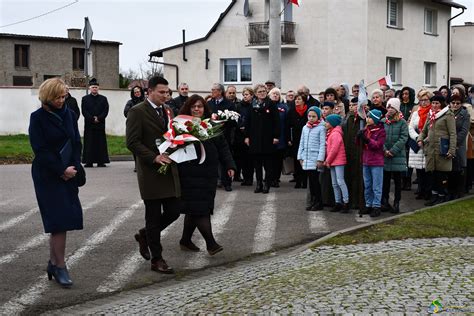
(385, 81)
(294, 2)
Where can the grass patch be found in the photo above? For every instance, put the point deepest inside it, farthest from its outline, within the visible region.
(17, 149)
(452, 220)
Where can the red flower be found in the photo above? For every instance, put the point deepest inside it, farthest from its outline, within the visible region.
(203, 124)
(188, 123)
(189, 128)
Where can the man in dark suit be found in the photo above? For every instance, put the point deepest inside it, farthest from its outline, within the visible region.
(218, 102)
(178, 102)
(310, 101)
(147, 122)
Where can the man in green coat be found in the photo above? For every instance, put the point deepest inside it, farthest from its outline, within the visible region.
(146, 123)
(395, 163)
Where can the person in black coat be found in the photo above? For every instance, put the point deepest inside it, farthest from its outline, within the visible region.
(71, 103)
(177, 103)
(262, 134)
(297, 119)
(136, 96)
(241, 151)
(56, 143)
(199, 181)
(218, 102)
(95, 109)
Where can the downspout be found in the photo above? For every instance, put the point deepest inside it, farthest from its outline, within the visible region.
(449, 46)
(167, 64)
(184, 46)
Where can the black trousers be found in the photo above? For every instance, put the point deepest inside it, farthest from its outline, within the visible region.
(397, 179)
(424, 185)
(439, 180)
(314, 187)
(278, 163)
(457, 182)
(156, 220)
(263, 161)
(299, 174)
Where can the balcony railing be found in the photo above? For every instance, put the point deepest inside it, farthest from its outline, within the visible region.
(258, 33)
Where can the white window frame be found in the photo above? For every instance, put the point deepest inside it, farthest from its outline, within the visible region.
(239, 68)
(429, 74)
(396, 73)
(434, 22)
(399, 13)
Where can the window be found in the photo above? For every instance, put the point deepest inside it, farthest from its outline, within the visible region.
(237, 70)
(22, 56)
(22, 81)
(46, 77)
(78, 58)
(394, 13)
(394, 69)
(431, 21)
(430, 74)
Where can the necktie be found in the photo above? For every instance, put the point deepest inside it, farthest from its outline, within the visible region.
(161, 114)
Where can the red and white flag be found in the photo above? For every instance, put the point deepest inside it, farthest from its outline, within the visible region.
(294, 2)
(386, 81)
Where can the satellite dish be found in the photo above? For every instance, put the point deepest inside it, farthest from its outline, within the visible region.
(247, 12)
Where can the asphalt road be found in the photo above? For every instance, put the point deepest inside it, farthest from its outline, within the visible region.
(103, 258)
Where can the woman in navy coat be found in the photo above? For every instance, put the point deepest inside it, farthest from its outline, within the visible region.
(56, 143)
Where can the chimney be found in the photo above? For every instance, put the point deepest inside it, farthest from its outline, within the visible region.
(74, 33)
(469, 23)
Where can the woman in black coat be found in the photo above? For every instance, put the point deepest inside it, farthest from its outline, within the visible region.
(262, 134)
(199, 181)
(56, 143)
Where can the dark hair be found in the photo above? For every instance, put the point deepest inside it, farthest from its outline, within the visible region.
(186, 109)
(455, 98)
(331, 91)
(154, 81)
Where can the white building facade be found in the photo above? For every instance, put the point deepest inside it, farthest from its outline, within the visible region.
(462, 52)
(323, 42)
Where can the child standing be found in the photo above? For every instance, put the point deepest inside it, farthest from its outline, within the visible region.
(311, 154)
(336, 160)
(373, 138)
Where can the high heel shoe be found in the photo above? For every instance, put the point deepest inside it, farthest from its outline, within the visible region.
(50, 270)
(61, 275)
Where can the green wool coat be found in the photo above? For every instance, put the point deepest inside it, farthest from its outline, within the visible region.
(396, 138)
(443, 127)
(144, 127)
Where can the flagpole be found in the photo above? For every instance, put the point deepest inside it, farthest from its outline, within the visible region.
(287, 3)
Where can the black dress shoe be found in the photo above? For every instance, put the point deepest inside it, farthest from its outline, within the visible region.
(345, 208)
(159, 265)
(375, 212)
(143, 244)
(266, 188)
(336, 208)
(215, 249)
(228, 188)
(247, 183)
(259, 187)
(88, 165)
(188, 246)
(396, 208)
(101, 165)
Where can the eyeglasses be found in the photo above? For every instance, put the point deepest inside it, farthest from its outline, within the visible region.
(456, 103)
(262, 91)
(197, 106)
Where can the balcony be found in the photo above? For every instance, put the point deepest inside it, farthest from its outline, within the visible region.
(258, 35)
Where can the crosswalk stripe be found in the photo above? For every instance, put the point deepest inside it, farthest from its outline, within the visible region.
(18, 303)
(2, 203)
(39, 239)
(266, 225)
(16, 220)
(317, 222)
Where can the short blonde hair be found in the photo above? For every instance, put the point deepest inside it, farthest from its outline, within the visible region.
(275, 90)
(249, 90)
(51, 89)
(376, 91)
(424, 92)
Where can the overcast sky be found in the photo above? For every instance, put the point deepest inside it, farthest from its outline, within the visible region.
(141, 26)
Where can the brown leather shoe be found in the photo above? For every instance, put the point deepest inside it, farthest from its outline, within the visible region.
(159, 265)
(143, 244)
(215, 249)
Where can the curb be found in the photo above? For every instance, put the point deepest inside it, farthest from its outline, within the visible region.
(365, 225)
(121, 158)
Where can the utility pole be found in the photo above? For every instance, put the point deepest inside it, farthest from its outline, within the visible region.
(274, 39)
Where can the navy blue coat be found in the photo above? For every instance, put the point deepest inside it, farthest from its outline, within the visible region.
(58, 200)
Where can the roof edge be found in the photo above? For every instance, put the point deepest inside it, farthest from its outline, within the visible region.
(450, 3)
(159, 52)
(52, 38)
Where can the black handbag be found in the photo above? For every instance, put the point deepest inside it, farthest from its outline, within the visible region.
(80, 176)
(413, 145)
(443, 146)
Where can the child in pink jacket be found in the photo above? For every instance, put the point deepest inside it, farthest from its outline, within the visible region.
(336, 160)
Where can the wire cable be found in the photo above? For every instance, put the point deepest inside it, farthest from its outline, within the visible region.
(38, 16)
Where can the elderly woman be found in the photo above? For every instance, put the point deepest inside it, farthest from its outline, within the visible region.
(56, 143)
(438, 139)
(262, 134)
(199, 181)
(377, 101)
(416, 156)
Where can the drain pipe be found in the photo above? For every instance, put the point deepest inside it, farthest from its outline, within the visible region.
(167, 64)
(449, 44)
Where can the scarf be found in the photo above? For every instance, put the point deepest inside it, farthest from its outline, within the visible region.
(433, 117)
(301, 110)
(314, 124)
(389, 120)
(423, 114)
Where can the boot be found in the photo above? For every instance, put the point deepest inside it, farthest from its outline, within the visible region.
(433, 201)
(406, 186)
(336, 208)
(259, 187)
(346, 208)
(396, 207)
(365, 210)
(266, 187)
(386, 207)
(375, 212)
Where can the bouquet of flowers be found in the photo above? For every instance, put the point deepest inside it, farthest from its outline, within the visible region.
(226, 115)
(183, 131)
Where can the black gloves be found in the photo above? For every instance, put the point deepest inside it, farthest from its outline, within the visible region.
(362, 137)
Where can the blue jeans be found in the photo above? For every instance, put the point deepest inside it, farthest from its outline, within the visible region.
(373, 184)
(339, 185)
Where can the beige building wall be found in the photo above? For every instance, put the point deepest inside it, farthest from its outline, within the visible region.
(462, 52)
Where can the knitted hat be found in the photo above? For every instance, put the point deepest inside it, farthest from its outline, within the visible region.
(355, 100)
(376, 115)
(334, 119)
(329, 103)
(93, 82)
(315, 109)
(439, 98)
(394, 103)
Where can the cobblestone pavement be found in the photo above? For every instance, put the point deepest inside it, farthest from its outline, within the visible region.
(396, 277)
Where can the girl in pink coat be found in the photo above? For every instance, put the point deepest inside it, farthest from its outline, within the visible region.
(336, 160)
